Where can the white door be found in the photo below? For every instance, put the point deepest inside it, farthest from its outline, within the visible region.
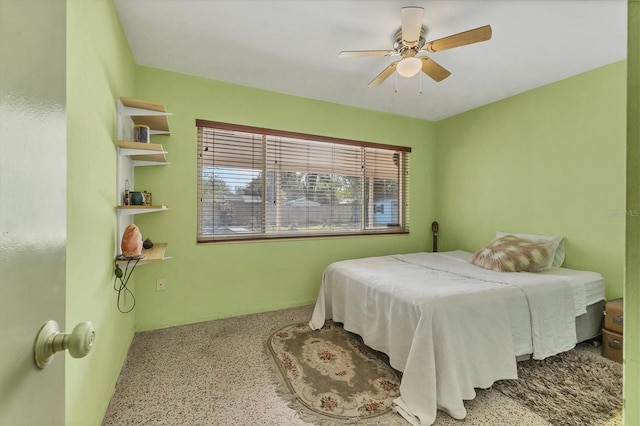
(32, 205)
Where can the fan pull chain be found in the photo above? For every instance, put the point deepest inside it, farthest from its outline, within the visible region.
(420, 84)
(396, 90)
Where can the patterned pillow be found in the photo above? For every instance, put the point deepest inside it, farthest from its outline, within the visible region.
(513, 254)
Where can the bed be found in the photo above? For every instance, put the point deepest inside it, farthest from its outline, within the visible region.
(451, 326)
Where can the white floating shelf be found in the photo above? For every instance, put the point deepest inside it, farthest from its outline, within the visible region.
(143, 154)
(152, 255)
(152, 114)
(131, 210)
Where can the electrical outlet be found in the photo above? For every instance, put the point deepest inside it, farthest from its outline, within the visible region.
(161, 284)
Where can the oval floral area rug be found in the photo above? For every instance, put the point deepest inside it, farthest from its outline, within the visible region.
(332, 373)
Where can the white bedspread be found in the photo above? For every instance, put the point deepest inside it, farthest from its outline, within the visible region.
(449, 326)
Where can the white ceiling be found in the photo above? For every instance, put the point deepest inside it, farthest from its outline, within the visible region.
(292, 46)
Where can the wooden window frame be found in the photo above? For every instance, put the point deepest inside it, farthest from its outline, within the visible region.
(400, 159)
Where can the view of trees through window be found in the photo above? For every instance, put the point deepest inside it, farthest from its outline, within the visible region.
(263, 186)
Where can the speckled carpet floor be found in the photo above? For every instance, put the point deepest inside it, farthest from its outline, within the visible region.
(219, 373)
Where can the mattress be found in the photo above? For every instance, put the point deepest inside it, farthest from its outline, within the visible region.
(589, 296)
(588, 286)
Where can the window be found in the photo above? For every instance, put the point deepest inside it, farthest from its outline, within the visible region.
(256, 183)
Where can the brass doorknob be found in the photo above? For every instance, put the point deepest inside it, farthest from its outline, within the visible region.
(49, 341)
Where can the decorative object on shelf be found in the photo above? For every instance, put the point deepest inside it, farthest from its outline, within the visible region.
(141, 133)
(147, 198)
(147, 244)
(127, 187)
(136, 198)
(131, 241)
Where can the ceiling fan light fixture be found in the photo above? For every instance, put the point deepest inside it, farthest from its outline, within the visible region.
(409, 41)
(408, 67)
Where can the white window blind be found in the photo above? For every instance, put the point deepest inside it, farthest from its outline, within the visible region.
(259, 183)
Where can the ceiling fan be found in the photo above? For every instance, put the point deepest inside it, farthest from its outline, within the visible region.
(409, 41)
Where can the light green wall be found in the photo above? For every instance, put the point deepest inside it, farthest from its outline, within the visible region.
(632, 284)
(549, 161)
(218, 280)
(99, 68)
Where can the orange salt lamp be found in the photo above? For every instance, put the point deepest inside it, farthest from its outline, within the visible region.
(131, 242)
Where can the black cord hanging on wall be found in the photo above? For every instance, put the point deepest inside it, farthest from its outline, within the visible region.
(123, 277)
(434, 230)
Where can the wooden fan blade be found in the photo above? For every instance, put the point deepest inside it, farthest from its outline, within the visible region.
(365, 53)
(460, 39)
(380, 78)
(411, 23)
(433, 69)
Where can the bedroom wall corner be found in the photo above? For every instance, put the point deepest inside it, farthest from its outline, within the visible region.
(100, 67)
(217, 280)
(548, 161)
(632, 272)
